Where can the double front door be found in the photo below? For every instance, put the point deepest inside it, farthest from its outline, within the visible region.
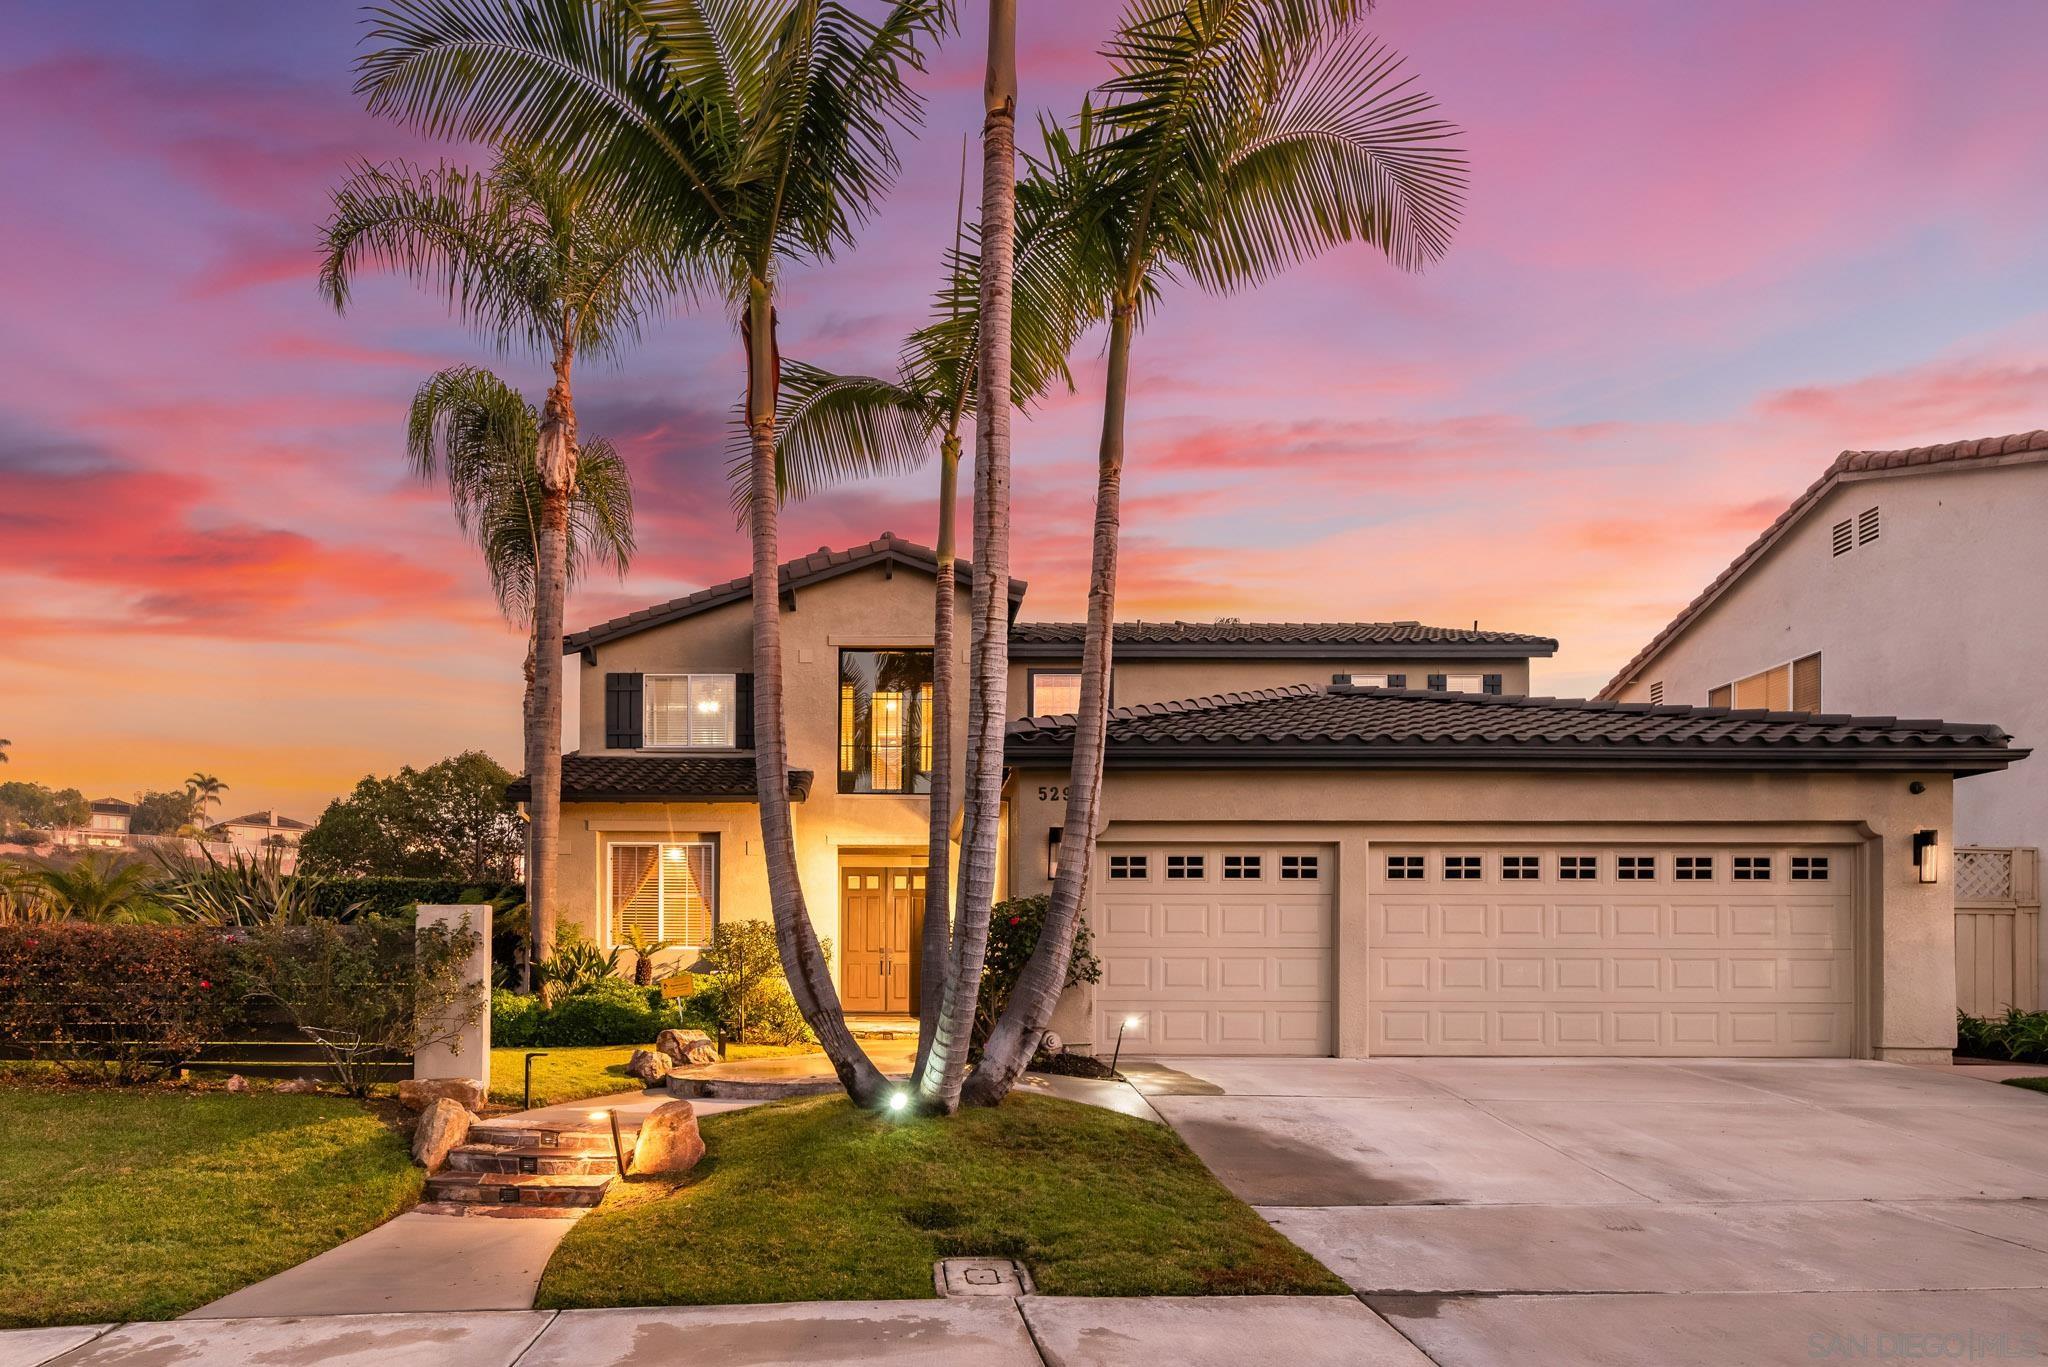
(882, 915)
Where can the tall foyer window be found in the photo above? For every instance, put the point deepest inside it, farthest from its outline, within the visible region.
(696, 711)
(885, 721)
(666, 891)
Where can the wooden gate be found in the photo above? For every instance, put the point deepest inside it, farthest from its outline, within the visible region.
(1998, 930)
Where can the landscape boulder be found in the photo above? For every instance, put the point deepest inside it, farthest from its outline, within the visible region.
(687, 1048)
(237, 1083)
(416, 1094)
(669, 1143)
(443, 1125)
(650, 1066)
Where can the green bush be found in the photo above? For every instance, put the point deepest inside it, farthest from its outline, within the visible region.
(744, 997)
(1013, 932)
(2020, 1036)
(344, 898)
(515, 1017)
(608, 1011)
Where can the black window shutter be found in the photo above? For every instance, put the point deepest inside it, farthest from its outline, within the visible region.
(1397, 680)
(1491, 683)
(622, 711)
(743, 699)
(1439, 683)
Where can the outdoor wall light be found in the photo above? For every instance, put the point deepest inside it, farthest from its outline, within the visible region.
(1927, 855)
(1052, 851)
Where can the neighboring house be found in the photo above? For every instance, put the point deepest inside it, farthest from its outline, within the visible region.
(105, 829)
(1293, 861)
(263, 833)
(1904, 583)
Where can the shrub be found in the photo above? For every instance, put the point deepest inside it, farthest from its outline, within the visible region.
(237, 891)
(608, 1011)
(344, 898)
(2021, 1036)
(365, 992)
(575, 966)
(1013, 932)
(118, 1003)
(744, 997)
(514, 1019)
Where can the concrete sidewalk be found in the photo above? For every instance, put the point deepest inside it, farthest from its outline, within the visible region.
(1036, 1331)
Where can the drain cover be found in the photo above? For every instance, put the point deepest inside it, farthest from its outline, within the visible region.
(981, 1277)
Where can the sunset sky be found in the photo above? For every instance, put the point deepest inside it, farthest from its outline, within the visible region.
(1706, 247)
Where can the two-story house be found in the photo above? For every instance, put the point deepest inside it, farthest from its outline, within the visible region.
(1344, 838)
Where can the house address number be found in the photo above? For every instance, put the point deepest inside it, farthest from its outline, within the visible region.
(1052, 792)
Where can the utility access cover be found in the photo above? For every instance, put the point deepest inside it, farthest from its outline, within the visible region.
(981, 1277)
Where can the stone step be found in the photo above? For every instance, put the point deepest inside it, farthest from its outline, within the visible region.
(509, 1189)
(533, 1160)
(594, 1137)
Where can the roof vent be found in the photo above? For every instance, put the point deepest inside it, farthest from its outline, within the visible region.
(1866, 527)
(1844, 537)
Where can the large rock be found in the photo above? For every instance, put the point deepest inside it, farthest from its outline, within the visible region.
(443, 1125)
(416, 1094)
(650, 1066)
(669, 1143)
(687, 1048)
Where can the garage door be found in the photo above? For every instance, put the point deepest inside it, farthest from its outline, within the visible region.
(1620, 950)
(1214, 949)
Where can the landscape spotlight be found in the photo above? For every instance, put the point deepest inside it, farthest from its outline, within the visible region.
(898, 1100)
(1127, 1023)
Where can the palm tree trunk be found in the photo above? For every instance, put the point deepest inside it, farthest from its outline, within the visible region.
(557, 461)
(803, 959)
(936, 947)
(988, 694)
(1024, 1020)
(529, 726)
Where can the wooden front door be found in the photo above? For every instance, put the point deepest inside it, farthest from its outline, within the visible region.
(882, 911)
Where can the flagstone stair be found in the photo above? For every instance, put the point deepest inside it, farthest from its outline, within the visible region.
(538, 1167)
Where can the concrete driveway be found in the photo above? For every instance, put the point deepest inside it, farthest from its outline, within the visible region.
(1622, 1211)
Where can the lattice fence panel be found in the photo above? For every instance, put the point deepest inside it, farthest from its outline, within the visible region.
(1983, 875)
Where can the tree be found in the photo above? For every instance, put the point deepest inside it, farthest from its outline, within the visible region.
(100, 888)
(753, 136)
(205, 792)
(535, 260)
(448, 820)
(1234, 139)
(4, 744)
(161, 813)
(41, 807)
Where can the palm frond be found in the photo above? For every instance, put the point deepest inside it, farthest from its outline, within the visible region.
(833, 429)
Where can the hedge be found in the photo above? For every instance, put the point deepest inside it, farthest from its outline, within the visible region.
(345, 899)
(612, 1011)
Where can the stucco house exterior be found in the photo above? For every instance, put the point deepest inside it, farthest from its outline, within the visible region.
(265, 834)
(1318, 838)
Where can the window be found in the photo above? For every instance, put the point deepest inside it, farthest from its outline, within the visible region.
(1843, 538)
(1519, 868)
(1724, 696)
(1657, 693)
(1054, 692)
(1461, 867)
(1465, 683)
(697, 711)
(1866, 527)
(1578, 868)
(1787, 687)
(1185, 866)
(1404, 867)
(665, 892)
(1752, 868)
(885, 715)
(1806, 684)
(1695, 868)
(1128, 866)
(1809, 868)
(1304, 867)
(1242, 866)
(1637, 868)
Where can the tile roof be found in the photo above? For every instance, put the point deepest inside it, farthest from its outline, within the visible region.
(823, 563)
(1975, 454)
(1342, 725)
(265, 819)
(1042, 639)
(660, 778)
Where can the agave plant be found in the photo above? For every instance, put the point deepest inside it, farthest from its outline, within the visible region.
(239, 891)
(575, 965)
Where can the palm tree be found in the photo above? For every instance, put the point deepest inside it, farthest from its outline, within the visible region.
(204, 790)
(97, 888)
(3, 750)
(537, 262)
(834, 428)
(755, 136)
(1234, 139)
(477, 431)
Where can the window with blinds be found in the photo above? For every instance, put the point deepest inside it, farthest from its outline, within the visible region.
(1793, 687)
(664, 891)
(694, 711)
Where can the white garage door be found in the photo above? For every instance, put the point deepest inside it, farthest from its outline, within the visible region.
(1214, 949)
(1621, 950)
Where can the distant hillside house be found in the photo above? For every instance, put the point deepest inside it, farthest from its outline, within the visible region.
(263, 832)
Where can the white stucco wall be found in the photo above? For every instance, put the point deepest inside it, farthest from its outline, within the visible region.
(1944, 615)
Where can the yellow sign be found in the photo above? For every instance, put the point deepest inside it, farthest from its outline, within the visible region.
(678, 987)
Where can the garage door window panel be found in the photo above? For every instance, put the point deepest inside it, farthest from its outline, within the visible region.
(1578, 868)
(1405, 868)
(1695, 868)
(1185, 867)
(1520, 868)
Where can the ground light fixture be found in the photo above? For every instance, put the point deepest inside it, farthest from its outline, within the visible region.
(1118, 1052)
(1927, 855)
(899, 1101)
(618, 1144)
(526, 1094)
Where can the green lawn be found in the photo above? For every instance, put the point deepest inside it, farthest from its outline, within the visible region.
(596, 1070)
(142, 1204)
(815, 1200)
(2032, 1084)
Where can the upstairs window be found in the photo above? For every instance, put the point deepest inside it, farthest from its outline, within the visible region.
(1054, 692)
(885, 721)
(691, 711)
